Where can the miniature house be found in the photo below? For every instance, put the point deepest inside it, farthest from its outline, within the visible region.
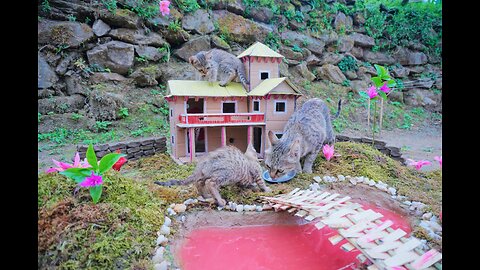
(205, 116)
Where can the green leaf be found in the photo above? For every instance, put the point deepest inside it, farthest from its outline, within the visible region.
(92, 158)
(77, 174)
(383, 95)
(363, 94)
(96, 192)
(381, 71)
(391, 83)
(377, 81)
(108, 160)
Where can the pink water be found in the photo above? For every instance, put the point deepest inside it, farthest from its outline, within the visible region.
(271, 247)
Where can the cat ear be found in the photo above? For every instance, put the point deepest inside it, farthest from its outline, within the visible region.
(295, 149)
(191, 59)
(272, 138)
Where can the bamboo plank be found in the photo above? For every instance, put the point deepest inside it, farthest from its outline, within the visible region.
(429, 258)
(401, 259)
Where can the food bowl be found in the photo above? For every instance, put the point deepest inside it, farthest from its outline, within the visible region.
(284, 178)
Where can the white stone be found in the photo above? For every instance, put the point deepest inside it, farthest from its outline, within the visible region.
(158, 257)
(189, 201)
(171, 212)
(165, 230)
(167, 221)
(161, 239)
(219, 208)
(259, 208)
(353, 181)
(371, 183)
(435, 226)
(249, 207)
(180, 208)
(341, 177)
(317, 179)
(239, 208)
(427, 216)
(360, 179)
(233, 206)
(161, 266)
(407, 203)
(182, 219)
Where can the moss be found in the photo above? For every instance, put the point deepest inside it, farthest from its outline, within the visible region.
(118, 232)
(60, 34)
(151, 70)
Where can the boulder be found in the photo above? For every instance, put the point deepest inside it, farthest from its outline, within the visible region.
(241, 30)
(199, 22)
(100, 28)
(351, 75)
(121, 18)
(61, 104)
(175, 38)
(330, 58)
(378, 58)
(72, 34)
(261, 14)
(422, 97)
(217, 42)
(61, 9)
(105, 106)
(358, 19)
(396, 96)
(312, 60)
(400, 72)
(46, 76)
(358, 85)
(438, 83)
(296, 26)
(138, 37)
(362, 40)
(290, 54)
(176, 70)
(146, 76)
(65, 62)
(316, 46)
(342, 22)
(76, 85)
(345, 44)
(357, 52)
(234, 6)
(283, 69)
(192, 47)
(406, 57)
(115, 55)
(303, 71)
(328, 37)
(331, 73)
(101, 77)
(65, 120)
(150, 53)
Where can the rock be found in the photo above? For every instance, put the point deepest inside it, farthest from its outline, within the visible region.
(427, 216)
(239, 208)
(175, 37)
(115, 55)
(161, 266)
(150, 53)
(138, 37)
(341, 177)
(303, 71)
(177, 70)
(199, 22)
(291, 54)
(406, 57)
(317, 178)
(331, 73)
(358, 19)
(192, 47)
(249, 207)
(190, 201)
(76, 85)
(167, 221)
(342, 22)
(316, 46)
(64, 63)
(217, 42)
(351, 75)
(122, 18)
(283, 68)
(241, 30)
(104, 106)
(165, 230)
(171, 212)
(362, 40)
(64, 104)
(378, 58)
(396, 96)
(261, 14)
(161, 239)
(392, 190)
(357, 52)
(158, 257)
(100, 77)
(100, 28)
(55, 33)
(312, 60)
(146, 76)
(345, 44)
(46, 76)
(258, 208)
(330, 58)
(328, 37)
(180, 208)
(400, 72)
(422, 97)
(353, 181)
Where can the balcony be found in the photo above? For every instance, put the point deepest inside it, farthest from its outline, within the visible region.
(220, 119)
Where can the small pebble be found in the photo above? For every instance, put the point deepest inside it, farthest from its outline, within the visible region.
(158, 258)
(180, 208)
(182, 219)
(220, 208)
(189, 201)
(161, 266)
(435, 226)
(318, 179)
(371, 183)
(341, 177)
(167, 221)
(392, 190)
(407, 203)
(161, 239)
(258, 208)
(360, 179)
(353, 181)
(427, 216)
(171, 212)
(239, 208)
(165, 230)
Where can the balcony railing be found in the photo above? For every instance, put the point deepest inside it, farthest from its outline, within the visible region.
(221, 118)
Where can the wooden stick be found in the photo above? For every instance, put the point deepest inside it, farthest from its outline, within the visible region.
(368, 114)
(381, 117)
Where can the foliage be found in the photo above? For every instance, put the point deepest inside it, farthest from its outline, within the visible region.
(187, 5)
(39, 117)
(145, 8)
(272, 40)
(76, 116)
(253, 4)
(71, 18)
(46, 6)
(102, 125)
(111, 5)
(174, 26)
(348, 63)
(165, 49)
(296, 48)
(123, 112)
(141, 59)
(346, 83)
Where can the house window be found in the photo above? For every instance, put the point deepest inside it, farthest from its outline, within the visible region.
(229, 107)
(173, 140)
(264, 75)
(280, 106)
(171, 112)
(279, 134)
(256, 105)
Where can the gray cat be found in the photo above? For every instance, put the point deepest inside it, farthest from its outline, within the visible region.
(305, 133)
(209, 63)
(224, 166)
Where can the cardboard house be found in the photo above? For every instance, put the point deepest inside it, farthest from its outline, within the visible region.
(205, 116)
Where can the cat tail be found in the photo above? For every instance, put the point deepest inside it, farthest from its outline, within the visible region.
(339, 108)
(175, 182)
(243, 78)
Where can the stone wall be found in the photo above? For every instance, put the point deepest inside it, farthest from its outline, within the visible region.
(134, 149)
(391, 151)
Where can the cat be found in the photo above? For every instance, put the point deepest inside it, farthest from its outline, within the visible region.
(224, 166)
(209, 63)
(305, 133)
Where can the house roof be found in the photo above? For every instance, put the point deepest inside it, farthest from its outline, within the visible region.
(205, 89)
(268, 85)
(259, 49)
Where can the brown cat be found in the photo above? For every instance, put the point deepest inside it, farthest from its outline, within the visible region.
(209, 63)
(224, 166)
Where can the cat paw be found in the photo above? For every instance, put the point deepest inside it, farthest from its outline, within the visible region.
(222, 84)
(267, 189)
(221, 202)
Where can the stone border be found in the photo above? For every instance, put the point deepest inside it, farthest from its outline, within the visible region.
(391, 151)
(134, 149)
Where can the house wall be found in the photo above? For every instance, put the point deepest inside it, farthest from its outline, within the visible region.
(239, 134)
(215, 106)
(214, 138)
(254, 68)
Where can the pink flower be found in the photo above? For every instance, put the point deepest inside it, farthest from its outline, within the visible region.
(93, 180)
(439, 159)
(385, 88)
(328, 151)
(164, 7)
(62, 166)
(418, 164)
(372, 92)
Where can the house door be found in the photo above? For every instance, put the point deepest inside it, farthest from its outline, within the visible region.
(257, 139)
(199, 140)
